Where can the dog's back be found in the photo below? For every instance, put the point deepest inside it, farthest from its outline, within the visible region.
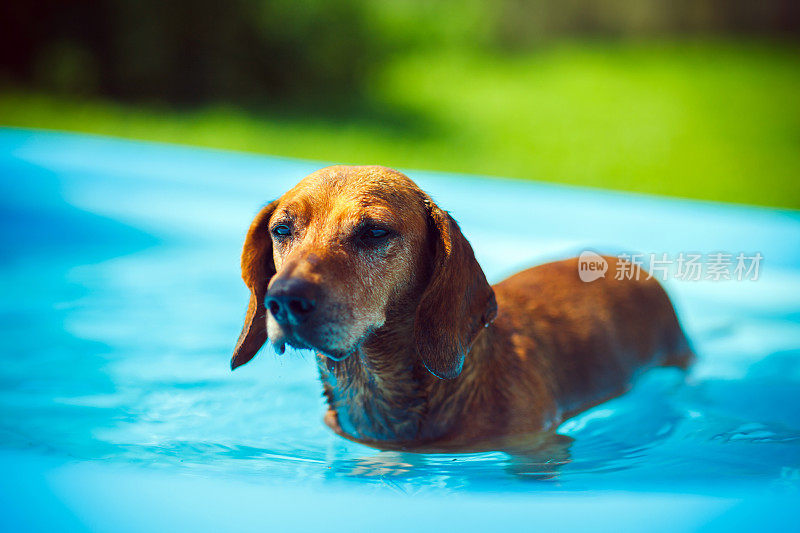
(560, 345)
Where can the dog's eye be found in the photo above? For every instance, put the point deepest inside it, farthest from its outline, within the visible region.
(281, 230)
(373, 236)
(374, 233)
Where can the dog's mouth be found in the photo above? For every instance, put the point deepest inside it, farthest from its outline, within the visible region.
(286, 335)
(337, 355)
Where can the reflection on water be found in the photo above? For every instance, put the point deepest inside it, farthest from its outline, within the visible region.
(119, 316)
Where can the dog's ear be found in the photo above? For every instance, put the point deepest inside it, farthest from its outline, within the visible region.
(257, 269)
(458, 301)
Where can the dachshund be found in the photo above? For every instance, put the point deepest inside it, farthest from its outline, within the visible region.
(415, 350)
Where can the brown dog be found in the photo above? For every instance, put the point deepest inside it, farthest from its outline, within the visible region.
(415, 349)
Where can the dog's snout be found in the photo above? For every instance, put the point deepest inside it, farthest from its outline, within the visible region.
(291, 301)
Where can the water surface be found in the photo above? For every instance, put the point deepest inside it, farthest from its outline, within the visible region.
(122, 301)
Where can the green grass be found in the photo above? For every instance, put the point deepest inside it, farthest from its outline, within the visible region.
(717, 120)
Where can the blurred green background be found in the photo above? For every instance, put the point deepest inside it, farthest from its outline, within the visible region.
(692, 98)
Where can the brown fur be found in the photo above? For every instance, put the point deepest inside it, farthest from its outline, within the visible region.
(415, 349)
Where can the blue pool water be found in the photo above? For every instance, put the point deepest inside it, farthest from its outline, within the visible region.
(122, 301)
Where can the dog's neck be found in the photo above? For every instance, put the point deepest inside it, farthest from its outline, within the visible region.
(376, 392)
(383, 394)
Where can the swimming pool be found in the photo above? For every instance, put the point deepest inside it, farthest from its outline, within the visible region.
(122, 302)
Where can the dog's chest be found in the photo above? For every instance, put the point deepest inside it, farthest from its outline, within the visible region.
(365, 410)
(343, 404)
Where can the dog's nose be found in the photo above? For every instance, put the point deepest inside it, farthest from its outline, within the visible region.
(291, 301)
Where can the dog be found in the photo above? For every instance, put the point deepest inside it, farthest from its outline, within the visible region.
(415, 350)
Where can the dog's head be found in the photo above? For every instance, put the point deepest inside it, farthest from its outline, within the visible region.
(349, 250)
